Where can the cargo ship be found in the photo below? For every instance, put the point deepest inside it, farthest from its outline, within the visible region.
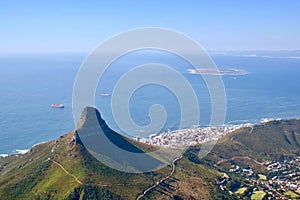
(104, 94)
(57, 105)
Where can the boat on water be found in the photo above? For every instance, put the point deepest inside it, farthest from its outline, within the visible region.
(104, 94)
(57, 105)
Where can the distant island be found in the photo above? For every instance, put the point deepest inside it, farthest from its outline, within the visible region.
(218, 71)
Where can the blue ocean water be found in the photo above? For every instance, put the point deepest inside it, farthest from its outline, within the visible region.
(30, 83)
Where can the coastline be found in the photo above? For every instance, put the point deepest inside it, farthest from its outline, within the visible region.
(190, 137)
(193, 136)
(21, 151)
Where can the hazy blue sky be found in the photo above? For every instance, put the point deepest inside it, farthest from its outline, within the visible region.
(58, 26)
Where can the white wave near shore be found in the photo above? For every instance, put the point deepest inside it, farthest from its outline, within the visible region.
(3, 155)
(37, 144)
(21, 151)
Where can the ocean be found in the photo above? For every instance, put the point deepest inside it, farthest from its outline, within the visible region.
(29, 84)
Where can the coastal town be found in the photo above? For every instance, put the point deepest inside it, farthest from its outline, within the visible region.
(282, 177)
(194, 136)
(189, 137)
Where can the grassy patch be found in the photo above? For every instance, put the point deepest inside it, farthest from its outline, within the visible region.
(293, 195)
(241, 190)
(258, 195)
(262, 177)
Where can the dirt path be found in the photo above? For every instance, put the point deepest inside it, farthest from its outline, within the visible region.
(238, 157)
(252, 128)
(161, 180)
(68, 173)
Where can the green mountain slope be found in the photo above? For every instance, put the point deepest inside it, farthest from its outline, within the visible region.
(65, 169)
(250, 146)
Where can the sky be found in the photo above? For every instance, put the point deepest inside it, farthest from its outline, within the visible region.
(79, 26)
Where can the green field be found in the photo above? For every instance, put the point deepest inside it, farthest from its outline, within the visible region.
(293, 195)
(258, 195)
(262, 177)
(241, 190)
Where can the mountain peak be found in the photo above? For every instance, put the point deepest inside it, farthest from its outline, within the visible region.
(106, 144)
(90, 115)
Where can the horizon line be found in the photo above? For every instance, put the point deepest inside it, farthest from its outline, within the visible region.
(87, 52)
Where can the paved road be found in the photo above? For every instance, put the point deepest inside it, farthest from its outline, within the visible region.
(161, 180)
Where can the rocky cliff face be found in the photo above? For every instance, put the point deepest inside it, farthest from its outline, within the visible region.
(112, 148)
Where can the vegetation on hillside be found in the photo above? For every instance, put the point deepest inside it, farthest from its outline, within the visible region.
(50, 170)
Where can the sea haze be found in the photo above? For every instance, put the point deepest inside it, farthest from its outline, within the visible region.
(30, 83)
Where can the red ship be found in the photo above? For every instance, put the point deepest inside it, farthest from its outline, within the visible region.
(57, 105)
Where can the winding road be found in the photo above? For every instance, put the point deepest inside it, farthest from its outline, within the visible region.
(144, 192)
(161, 180)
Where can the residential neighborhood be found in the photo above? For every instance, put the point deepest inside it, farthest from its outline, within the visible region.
(281, 182)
